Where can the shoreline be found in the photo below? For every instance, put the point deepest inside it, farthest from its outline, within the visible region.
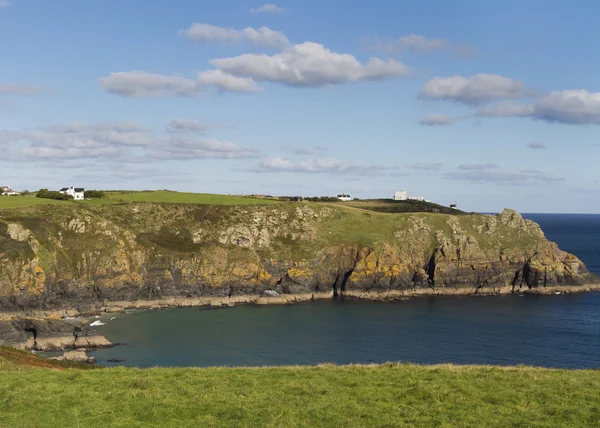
(121, 306)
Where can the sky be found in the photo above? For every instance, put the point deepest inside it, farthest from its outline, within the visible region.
(486, 104)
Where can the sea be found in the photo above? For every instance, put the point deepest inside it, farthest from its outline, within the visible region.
(561, 331)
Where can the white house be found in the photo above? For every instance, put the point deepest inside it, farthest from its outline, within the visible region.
(400, 195)
(344, 197)
(7, 191)
(418, 198)
(78, 193)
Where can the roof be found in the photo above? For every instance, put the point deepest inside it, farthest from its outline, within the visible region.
(79, 189)
(63, 189)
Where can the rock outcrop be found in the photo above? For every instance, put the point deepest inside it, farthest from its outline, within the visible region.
(48, 335)
(86, 257)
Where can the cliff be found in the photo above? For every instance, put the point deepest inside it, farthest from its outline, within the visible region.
(82, 256)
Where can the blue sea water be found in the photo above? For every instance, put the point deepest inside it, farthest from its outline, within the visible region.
(550, 331)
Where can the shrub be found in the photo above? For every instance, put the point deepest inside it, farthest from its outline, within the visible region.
(95, 194)
(51, 194)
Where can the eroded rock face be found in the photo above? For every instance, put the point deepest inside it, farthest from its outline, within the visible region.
(48, 335)
(84, 260)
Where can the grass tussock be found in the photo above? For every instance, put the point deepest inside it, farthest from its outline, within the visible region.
(354, 396)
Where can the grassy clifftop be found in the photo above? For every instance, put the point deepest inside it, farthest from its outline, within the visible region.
(379, 395)
(73, 252)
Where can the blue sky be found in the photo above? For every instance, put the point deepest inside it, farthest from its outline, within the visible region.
(489, 104)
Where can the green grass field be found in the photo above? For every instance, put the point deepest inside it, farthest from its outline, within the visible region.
(350, 396)
(186, 198)
(129, 197)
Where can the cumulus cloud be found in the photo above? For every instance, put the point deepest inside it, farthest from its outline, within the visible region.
(263, 36)
(188, 125)
(478, 167)
(309, 64)
(119, 142)
(316, 166)
(536, 146)
(227, 82)
(14, 89)
(573, 107)
(140, 84)
(426, 166)
(478, 89)
(267, 8)
(437, 120)
(516, 178)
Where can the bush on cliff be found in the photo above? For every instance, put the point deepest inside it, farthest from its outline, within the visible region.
(51, 194)
(95, 194)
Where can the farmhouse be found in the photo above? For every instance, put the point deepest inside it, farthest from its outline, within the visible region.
(78, 193)
(7, 191)
(344, 197)
(400, 195)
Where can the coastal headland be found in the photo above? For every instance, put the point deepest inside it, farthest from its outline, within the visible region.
(71, 259)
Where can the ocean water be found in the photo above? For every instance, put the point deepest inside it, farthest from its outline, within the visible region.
(549, 331)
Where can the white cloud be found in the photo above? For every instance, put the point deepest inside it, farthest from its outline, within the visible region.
(14, 89)
(267, 8)
(536, 146)
(309, 64)
(478, 167)
(4, 3)
(573, 107)
(437, 120)
(227, 82)
(426, 166)
(478, 89)
(188, 125)
(570, 106)
(263, 36)
(516, 178)
(317, 166)
(139, 84)
(119, 142)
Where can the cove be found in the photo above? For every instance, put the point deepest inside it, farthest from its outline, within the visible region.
(550, 331)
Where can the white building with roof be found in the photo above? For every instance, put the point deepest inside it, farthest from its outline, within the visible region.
(400, 195)
(7, 191)
(78, 193)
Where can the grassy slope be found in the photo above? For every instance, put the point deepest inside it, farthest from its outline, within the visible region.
(386, 395)
(125, 197)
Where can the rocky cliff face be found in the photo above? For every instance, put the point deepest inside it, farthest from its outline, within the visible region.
(73, 256)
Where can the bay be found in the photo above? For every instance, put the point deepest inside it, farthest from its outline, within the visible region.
(550, 331)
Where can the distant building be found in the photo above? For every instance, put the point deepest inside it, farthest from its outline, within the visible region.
(7, 191)
(344, 197)
(400, 195)
(454, 206)
(78, 193)
(418, 198)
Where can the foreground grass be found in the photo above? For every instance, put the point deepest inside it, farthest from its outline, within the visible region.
(386, 395)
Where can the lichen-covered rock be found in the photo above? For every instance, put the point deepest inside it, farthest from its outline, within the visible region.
(84, 257)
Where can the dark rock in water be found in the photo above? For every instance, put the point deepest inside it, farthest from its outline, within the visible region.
(48, 335)
(114, 360)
